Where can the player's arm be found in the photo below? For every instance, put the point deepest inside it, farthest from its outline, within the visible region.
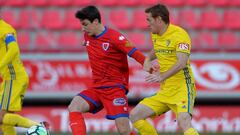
(148, 61)
(126, 46)
(181, 63)
(12, 50)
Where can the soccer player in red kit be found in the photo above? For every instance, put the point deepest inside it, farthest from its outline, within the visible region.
(107, 50)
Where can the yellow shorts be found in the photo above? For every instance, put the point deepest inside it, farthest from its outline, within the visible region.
(12, 94)
(180, 101)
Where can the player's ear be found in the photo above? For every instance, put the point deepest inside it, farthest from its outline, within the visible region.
(96, 21)
(158, 19)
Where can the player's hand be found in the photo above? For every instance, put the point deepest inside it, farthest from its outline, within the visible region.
(156, 77)
(147, 65)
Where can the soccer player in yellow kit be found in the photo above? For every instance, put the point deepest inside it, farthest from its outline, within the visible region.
(177, 92)
(14, 82)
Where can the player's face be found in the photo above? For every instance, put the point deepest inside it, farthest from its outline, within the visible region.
(88, 27)
(154, 23)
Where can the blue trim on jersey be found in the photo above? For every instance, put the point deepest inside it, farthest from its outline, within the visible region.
(105, 30)
(9, 39)
(113, 117)
(9, 96)
(132, 51)
(89, 99)
(112, 86)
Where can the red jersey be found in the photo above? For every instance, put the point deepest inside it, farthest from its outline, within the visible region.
(107, 54)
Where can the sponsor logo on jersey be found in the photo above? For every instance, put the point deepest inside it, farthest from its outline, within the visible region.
(184, 107)
(121, 37)
(168, 42)
(128, 44)
(119, 101)
(183, 46)
(86, 43)
(105, 46)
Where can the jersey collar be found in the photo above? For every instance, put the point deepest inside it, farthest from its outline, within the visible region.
(105, 30)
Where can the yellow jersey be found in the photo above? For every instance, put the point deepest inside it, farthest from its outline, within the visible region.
(174, 40)
(11, 66)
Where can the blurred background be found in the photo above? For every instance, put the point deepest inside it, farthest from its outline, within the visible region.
(51, 40)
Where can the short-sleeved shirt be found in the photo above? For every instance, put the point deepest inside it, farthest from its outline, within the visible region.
(174, 40)
(107, 54)
(180, 87)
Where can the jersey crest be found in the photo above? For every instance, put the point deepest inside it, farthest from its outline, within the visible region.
(105, 46)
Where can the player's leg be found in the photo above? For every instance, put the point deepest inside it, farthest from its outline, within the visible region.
(115, 102)
(184, 109)
(83, 102)
(8, 130)
(12, 93)
(146, 108)
(138, 117)
(123, 126)
(184, 122)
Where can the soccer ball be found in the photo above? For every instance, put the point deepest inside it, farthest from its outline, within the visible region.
(37, 130)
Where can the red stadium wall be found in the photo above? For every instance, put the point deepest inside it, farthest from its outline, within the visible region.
(218, 77)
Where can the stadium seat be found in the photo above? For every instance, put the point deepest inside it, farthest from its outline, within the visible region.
(218, 2)
(234, 3)
(45, 41)
(138, 39)
(189, 19)
(82, 2)
(69, 40)
(106, 2)
(120, 19)
(23, 38)
(206, 40)
(148, 2)
(30, 19)
(211, 20)
(37, 2)
(11, 17)
(15, 2)
(70, 21)
(60, 2)
(228, 40)
(140, 19)
(50, 22)
(173, 2)
(128, 2)
(232, 19)
(196, 3)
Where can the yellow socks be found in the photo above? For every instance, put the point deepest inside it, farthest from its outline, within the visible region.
(17, 120)
(8, 130)
(191, 131)
(145, 128)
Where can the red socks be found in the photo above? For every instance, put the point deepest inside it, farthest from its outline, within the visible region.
(77, 123)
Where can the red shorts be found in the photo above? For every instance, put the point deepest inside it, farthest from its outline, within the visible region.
(113, 99)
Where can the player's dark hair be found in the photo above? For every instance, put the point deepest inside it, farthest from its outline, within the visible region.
(159, 10)
(90, 13)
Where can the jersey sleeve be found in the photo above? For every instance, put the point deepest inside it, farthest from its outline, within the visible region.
(183, 43)
(9, 38)
(123, 44)
(12, 50)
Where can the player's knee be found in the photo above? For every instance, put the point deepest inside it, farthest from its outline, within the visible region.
(124, 130)
(184, 121)
(72, 107)
(133, 116)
